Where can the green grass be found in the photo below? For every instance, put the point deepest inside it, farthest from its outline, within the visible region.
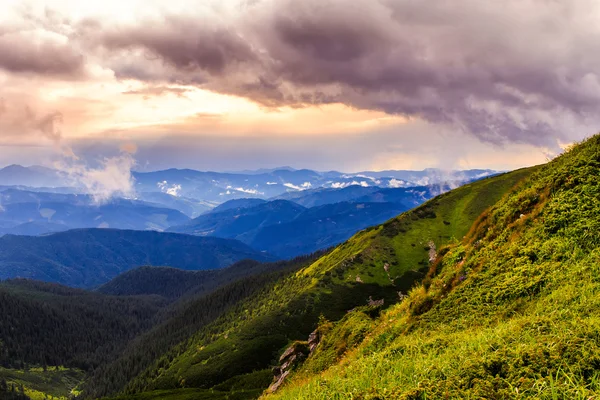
(54, 382)
(403, 242)
(252, 334)
(512, 310)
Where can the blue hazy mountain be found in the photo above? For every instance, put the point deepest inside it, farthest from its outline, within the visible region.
(199, 190)
(319, 227)
(233, 222)
(188, 206)
(286, 229)
(26, 212)
(409, 197)
(34, 176)
(90, 257)
(238, 203)
(264, 184)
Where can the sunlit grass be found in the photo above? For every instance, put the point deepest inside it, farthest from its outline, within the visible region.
(510, 311)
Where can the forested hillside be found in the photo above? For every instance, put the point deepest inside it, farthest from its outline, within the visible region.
(89, 257)
(183, 319)
(176, 284)
(53, 337)
(45, 324)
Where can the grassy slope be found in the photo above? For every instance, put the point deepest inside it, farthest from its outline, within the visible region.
(251, 335)
(509, 312)
(403, 241)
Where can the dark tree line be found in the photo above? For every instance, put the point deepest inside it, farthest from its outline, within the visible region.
(46, 324)
(116, 337)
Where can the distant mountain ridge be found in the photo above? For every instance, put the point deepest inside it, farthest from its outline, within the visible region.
(218, 187)
(411, 196)
(89, 257)
(286, 228)
(231, 222)
(320, 227)
(34, 213)
(34, 176)
(238, 204)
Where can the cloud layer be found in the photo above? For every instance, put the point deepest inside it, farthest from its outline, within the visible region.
(514, 70)
(505, 73)
(111, 178)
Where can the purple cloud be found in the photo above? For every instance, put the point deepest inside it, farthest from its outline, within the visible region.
(518, 70)
(22, 53)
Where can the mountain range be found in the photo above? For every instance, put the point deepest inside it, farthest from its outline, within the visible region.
(34, 176)
(292, 223)
(91, 257)
(213, 188)
(194, 304)
(286, 229)
(409, 197)
(34, 213)
(488, 290)
(219, 187)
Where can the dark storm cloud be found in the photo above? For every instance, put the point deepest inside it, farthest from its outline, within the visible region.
(514, 70)
(186, 44)
(487, 70)
(21, 53)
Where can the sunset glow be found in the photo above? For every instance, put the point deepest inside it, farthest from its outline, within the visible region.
(197, 74)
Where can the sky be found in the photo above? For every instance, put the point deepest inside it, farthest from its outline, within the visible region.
(323, 84)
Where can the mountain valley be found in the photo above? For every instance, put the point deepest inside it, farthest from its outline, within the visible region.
(219, 310)
(479, 267)
(299, 200)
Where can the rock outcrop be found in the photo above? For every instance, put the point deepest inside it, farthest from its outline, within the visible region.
(313, 340)
(292, 357)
